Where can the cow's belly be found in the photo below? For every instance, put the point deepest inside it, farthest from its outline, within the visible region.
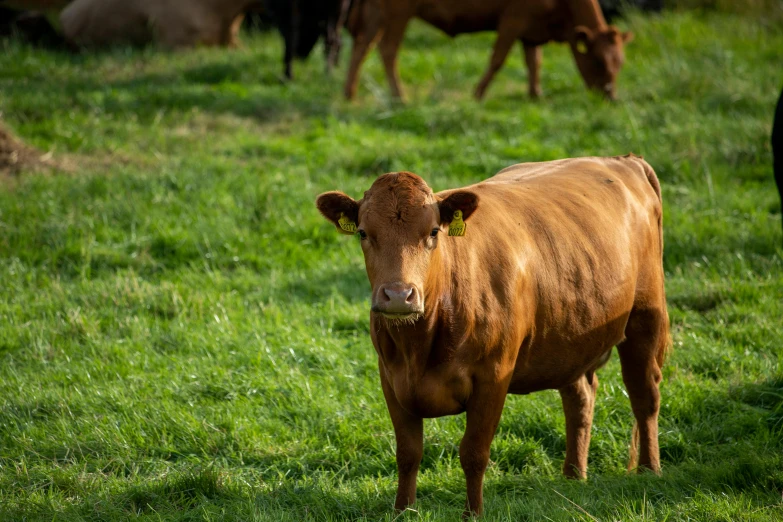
(458, 19)
(557, 360)
(436, 394)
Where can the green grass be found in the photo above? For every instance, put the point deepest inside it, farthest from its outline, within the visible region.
(182, 337)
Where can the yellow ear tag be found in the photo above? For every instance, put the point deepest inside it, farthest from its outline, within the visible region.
(457, 226)
(581, 47)
(346, 225)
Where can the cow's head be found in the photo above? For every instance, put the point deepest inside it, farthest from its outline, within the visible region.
(599, 56)
(399, 223)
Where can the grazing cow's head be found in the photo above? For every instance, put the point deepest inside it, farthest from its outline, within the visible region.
(398, 222)
(599, 56)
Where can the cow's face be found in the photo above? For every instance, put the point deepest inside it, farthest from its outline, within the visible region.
(399, 223)
(599, 56)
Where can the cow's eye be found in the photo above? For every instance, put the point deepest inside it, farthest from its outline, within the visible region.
(434, 232)
(362, 234)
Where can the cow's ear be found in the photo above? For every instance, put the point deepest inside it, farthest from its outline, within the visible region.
(627, 36)
(583, 36)
(462, 200)
(340, 209)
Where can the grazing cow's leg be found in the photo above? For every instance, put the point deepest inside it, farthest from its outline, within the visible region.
(641, 354)
(409, 432)
(389, 48)
(287, 30)
(533, 61)
(578, 402)
(507, 35)
(230, 33)
(365, 37)
(331, 45)
(483, 414)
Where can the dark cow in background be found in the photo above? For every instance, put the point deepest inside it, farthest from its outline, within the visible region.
(302, 22)
(777, 147)
(616, 8)
(31, 21)
(596, 46)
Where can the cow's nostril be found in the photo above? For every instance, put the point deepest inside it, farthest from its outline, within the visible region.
(396, 295)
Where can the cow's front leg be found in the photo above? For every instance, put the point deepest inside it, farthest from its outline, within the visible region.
(409, 433)
(483, 414)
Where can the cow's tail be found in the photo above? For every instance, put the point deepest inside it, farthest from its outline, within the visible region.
(633, 453)
(665, 343)
(354, 16)
(664, 334)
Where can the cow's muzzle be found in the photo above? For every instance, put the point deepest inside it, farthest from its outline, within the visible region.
(398, 300)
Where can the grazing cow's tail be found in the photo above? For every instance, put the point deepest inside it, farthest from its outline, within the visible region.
(353, 17)
(665, 343)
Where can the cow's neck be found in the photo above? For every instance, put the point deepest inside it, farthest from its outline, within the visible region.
(414, 343)
(587, 13)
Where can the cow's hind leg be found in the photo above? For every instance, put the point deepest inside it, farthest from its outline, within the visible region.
(641, 357)
(578, 402)
(533, 61)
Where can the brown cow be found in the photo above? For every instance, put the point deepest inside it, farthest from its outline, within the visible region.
(171, 23)
(560, 262)
(597, 48)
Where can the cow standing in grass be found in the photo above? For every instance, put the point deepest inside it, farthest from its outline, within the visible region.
(597, 47)
(546, 267)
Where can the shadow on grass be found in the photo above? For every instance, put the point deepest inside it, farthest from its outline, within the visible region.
(213, 87)
(201, 491)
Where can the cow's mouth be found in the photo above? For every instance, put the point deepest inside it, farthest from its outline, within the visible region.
(406, 318)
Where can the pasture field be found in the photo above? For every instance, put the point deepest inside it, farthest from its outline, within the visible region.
(183, 337)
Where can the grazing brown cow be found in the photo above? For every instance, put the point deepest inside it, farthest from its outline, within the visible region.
(558, 263)
(171, 23)
(597, 48)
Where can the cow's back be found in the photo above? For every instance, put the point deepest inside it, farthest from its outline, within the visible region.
(567, 249)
